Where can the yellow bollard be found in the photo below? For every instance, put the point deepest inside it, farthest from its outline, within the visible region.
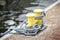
(38, 12)
(31, 20)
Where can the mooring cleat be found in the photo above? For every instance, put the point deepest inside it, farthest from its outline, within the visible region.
(31, 32)
(33, 25)
(43, 27)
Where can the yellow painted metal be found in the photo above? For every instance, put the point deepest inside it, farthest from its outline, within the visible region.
(38, 12)
(31, 20)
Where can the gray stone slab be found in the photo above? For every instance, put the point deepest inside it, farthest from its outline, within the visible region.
(34, 7)
(21, 17)
(42, 4)
(10, 22)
